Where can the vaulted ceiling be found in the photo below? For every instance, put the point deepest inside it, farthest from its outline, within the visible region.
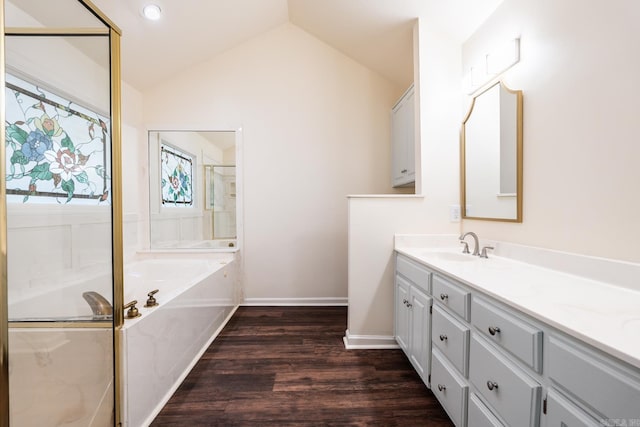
(376, 33)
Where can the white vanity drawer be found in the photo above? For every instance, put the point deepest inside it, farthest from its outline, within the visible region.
(480, 415)
(449, 388)
(505, 386)
(562, 413)
(415, 272)
(597, 381)
(452, 338)
(522, 340)
(452, 296)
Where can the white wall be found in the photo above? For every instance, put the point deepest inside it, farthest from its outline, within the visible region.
(579, 73)
(135, 174)
(374, 220)
(315, 128)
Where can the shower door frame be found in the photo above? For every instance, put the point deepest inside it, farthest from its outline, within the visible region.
(114, 34)
(4, 308)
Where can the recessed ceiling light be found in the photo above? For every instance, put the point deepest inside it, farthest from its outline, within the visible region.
(152, 12)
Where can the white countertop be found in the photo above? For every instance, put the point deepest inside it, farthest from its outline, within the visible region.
(604, 315)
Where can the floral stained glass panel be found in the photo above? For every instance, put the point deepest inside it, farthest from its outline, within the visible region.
(176, 177)
(56, 150)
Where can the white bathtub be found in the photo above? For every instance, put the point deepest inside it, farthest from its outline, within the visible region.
(196, 298)
(61, 300)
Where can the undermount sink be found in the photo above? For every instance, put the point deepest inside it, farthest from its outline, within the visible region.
(450, 256)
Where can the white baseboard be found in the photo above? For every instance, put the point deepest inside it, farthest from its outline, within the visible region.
(369, 342)
(295, 301)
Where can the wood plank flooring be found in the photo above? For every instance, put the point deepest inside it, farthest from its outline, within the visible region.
(287, 366)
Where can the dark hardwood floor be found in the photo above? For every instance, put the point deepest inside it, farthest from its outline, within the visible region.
(287, 366)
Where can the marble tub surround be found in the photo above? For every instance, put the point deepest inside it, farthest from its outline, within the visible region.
(197, 295)
(598, 306)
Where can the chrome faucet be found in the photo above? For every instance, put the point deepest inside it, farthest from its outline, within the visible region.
(476, 248)
(100, 306)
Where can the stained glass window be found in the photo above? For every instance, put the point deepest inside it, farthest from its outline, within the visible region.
(56, 150)
(176, 176)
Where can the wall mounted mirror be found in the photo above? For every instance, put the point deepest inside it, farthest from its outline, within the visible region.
(192, 189)
(491, 156)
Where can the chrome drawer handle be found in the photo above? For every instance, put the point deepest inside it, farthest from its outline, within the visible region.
(494, 330)
(444, 296)
(443, 337)
(491, 385)
(442, 387)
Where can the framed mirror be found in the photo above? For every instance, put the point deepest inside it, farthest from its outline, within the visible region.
(491, 156)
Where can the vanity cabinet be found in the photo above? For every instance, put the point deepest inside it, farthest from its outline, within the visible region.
(592, 380)
(561, 412)
(412, 315)
(403, 140)
(450, 343)
(492, 365)
(451, 337)
(504, 385)
(451, 389)
(515, 336)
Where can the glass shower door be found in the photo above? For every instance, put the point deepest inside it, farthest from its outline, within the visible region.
(58, 103)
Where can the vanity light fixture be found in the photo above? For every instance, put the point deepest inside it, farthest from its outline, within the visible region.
(152, 12)
(494, 64)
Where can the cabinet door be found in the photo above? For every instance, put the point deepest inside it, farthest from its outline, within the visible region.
(595, 380)
(562, 413)
(410, 137)
(402, 313)
(420, 330)
(403, 139)
(398, 143)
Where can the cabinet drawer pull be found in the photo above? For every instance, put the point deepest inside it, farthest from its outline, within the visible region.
(494, 330)
(492, 385)
(444, 296)
(409, 305)
(405, 301)
(403, 171)
(442, 387)
(443, 337)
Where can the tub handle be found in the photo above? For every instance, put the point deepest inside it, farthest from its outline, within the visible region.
(133, 312)
(151, 301)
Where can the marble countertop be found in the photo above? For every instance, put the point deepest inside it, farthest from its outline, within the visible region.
(602, 314)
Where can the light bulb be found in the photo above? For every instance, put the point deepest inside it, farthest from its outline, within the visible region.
(152, 12)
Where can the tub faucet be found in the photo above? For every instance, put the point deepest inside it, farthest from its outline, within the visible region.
(476, 247)
(100, 306)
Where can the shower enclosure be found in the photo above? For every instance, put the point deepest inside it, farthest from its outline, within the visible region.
(60, 214)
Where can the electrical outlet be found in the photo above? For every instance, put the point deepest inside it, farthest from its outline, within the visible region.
(454, 213)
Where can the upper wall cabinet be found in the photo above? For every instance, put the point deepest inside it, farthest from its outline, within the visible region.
(403, 140)
(491, 156)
